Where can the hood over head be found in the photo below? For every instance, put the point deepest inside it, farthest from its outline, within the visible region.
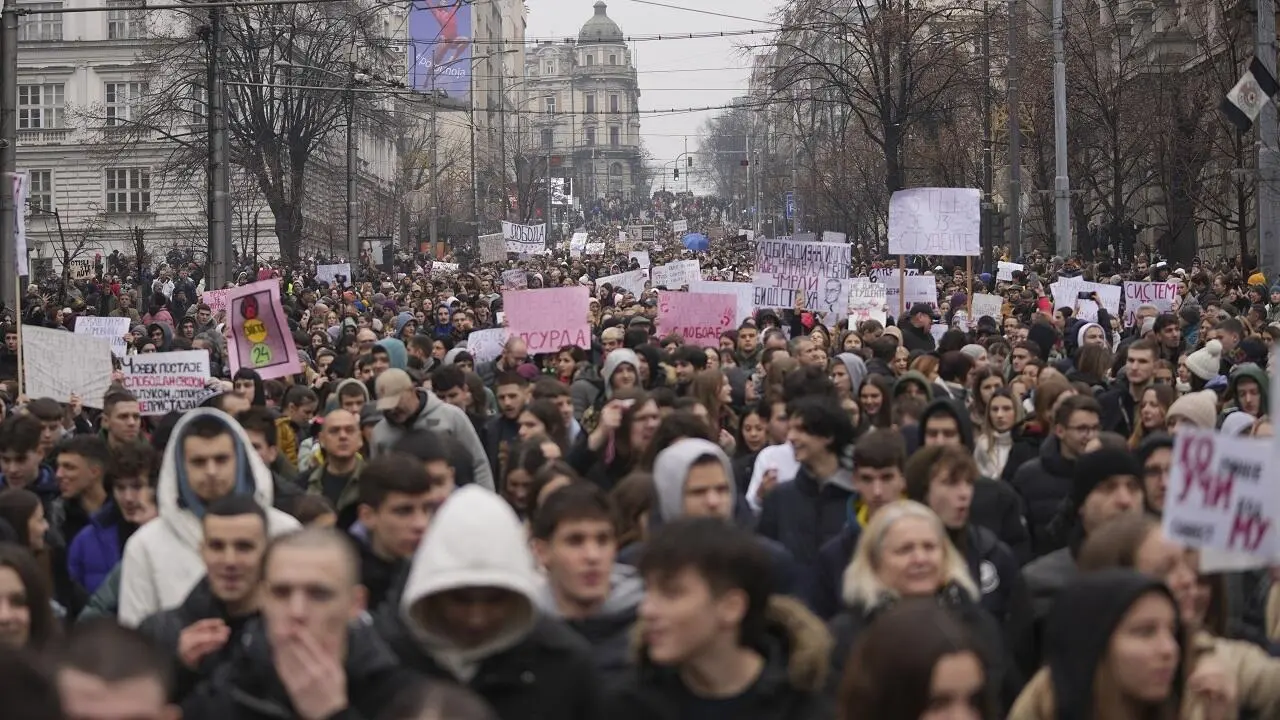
(395, 350)
(953, 408)
(857, 370)
(671, 471)
(917, 377)
(452, 356)
(331, 403)
(1254, 373)
(167, 343)
(611, 363)
(401, 321)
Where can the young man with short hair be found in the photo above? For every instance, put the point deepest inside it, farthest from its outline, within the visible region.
(1120, 403)
(1045, 481)
(337, 477)
(398, 496)
(106, 672)
(502, 431)
(449, 383)
(261, 428)
(121, 419)
(21, 460)
(82, 463)
(53, 420)
(715, 642)
(95, 552)
(575, 541)
(557, 392)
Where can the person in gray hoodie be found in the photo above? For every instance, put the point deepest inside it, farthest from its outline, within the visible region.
(407, 407)
(468, 613)
(576, 543)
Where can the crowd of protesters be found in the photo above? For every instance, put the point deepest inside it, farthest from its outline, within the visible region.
(810, 519)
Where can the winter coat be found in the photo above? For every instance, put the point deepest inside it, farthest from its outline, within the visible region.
(997, 507)
(991, 452)
(1027, 439)
(161, 562)
(1045, 578)
(105, 601)
(1119, 409)
(804, 514)
(796, 651)
(1043, 484)
(438, 416)
(586, 389)
(915, 339)
(608, 630)
(95, 551)
(164, 629)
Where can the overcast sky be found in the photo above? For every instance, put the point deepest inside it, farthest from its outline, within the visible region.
(722, 70)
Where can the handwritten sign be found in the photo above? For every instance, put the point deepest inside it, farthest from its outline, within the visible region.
(920, 289)
(330, 273)
(633, 281)
(1220, 496)
(831, 236)
(111, 329)
(260, 337)
(515, 280)
(743, 295)
(867, 301)
(785, 267)
(57, 364)
(699, 318)
(595, 248)
(547, 320)
(935, 221)
(215, 299)
(640, 256)
(486, 345)
(438, 269)
(493, 248)
(524, 239)
(680, 226)
(1066, 293)
(883, 274)
(985, 305)
(167, 382)
(1005, 270)
(676, 274)
(1161, 294)
(578, 243)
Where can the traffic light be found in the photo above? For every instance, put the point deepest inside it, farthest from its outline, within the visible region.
(677, 171)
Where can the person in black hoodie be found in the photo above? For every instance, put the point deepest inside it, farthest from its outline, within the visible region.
(1045, 481)
(996, 505)
(708, 605)
(917, 329)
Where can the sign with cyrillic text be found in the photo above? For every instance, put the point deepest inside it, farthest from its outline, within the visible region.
(785, 267)
(633, 281)
(547, 320)
(743, 295)
(111, 329)
(1005, 270)
(493, 248)
(1136, 294)
(699, 318)
(167, 382)
(935, 221)
(680, 226)
(524, 239)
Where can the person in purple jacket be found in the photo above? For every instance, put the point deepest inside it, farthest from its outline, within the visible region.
(96, 549)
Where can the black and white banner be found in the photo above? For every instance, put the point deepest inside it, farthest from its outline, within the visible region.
(1252, 93)
(525, 239)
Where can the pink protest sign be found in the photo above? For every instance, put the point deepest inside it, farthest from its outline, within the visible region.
(699, 318)
(259, 337)
(1163, 295)
(547, 320)
(215, 299)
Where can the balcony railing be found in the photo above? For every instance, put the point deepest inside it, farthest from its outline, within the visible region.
(44, 136)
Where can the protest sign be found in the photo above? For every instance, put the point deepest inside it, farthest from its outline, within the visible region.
(111, 329)
(547, 320)
(167, 382)
(1220, 496)
(525, 239)
(935, 221)
(676, 274)
(215, 299)
(57, 364)
(578, 243)
(783, 267)
(260, 337)
(1161, 294)
(596, 248)
(493, 248)
(680, 226)
(866, 301)
(743, 293)
(985, 305)
(330, 273)
(515, 280)
(633, 281)
(920, 289)
(443, 268)
(699, 318)
(832, 236)
(641, 256)
(1005, 270)
(937, 330)
(486, 345)
(883, 274)
(1066, 293)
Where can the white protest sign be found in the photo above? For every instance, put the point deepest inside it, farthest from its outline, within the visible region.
(443, 268)
(578, 243)
(987, 305)
(937, 331)
(784, 267)
(329, 273)
(1161, 294)
(883, 274)
(676, 274)
(486, 345)
(57, 364)
(641, 256)
(832, 236)
(866, 301)
(167, 382)
(935, 221)
(493, 248)
(743, 293)
(920, 289)
(633, 281)
(596, 248)
(680, 226)
(622, 236)
(697, 317)
(111, 329)
(1005, 270)
(1220, 495)
(1066, 293)
(524, 239)
(515, 280)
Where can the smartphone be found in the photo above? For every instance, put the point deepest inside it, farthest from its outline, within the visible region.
(1084, 295)
(626, 404)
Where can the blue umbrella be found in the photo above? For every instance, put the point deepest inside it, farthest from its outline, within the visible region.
(696, 242)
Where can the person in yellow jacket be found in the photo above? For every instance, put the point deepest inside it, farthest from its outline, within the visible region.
(297, 411)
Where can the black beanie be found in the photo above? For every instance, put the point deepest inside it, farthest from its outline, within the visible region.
(1150, 444)
(1095, 467)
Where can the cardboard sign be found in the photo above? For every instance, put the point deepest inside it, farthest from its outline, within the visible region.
(596, 248)
(1005, 270)
(524, 239)
(1220, 495)
(486, 345)
(1066, 293)
(935, 221)
(215, 299)
(675, 275)
(785, 267)
(680, 226)
(493, 248)
(699, 318)
(920, 289)
(111, 329)
(515, 280)
(633, 281)
(866, 301)
(439, 269)
(744, 295)
(641, 256)
(167, 382)
(260, 337)
(988, 306)
(883, 274)
(57, 364)
(547, 320)
(578, 244)
(1164, 295)
(330, 273)
(831, 236)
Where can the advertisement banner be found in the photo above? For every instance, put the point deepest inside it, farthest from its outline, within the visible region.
(440, 48)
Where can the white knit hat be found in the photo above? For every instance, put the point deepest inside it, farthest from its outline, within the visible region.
(1199, 408)
(1205, 362)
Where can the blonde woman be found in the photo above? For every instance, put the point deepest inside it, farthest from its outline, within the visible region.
(904, 552)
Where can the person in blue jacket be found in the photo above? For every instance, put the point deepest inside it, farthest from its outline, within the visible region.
(96, 549)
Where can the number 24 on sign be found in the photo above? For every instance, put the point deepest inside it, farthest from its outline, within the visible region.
(1214, 489)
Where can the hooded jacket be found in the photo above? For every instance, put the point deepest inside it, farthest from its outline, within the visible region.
(796, 652)
(395, 351)
(162, 559)
(857, 370)
(617, 357)
(438, 416)
(910, 376)
(534, 667)
(1044, 483)
(166, 344)
(608, 631)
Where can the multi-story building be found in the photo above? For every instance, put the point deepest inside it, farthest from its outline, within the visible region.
(104, 178)
(584, 111)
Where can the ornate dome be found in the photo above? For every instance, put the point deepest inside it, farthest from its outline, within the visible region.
(600, 29)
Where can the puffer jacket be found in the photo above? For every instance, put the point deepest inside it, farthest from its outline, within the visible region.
(95, 551)
(1043, 484)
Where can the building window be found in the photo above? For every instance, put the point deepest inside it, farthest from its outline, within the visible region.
(39, 106)
(122, 99)
(590, 60)
(47, 27)
(551, 68)
(591, 136)
(40, 194)
(613, 59)
(551, 103)
(197, 102)
(615, 136)
(123, 24)
(614, 105)
(128, 190)
(546, 139)
(591, 102)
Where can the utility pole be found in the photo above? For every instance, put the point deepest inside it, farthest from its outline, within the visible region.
(353, 235)
(686, 168)
(1013, 73)
(9, 217)
(219, 207)
(502, 132)
(475, 186)
(550, 145)
(1061, 183)
(988, 151)
(795, 183)
(434, 220)
(1268, 153)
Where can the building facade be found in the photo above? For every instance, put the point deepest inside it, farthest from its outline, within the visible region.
(584, 102)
